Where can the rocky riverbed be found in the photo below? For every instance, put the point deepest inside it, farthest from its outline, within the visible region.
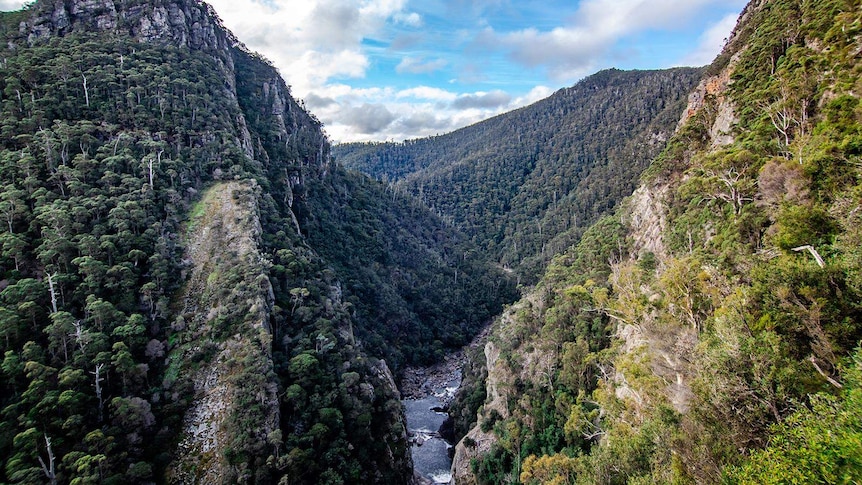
(421, 382)
(426, 394)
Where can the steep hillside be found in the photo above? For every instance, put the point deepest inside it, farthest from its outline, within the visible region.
(705, 333)
(178, 299)
(526, 184)
(224, 254)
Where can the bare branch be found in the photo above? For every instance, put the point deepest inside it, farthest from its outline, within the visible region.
(813, 252)
(824, 374)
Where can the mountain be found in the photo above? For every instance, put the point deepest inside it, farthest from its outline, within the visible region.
(525, 184)
(708, 330)
(191, 290)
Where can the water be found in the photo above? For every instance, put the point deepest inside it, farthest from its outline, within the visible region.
(431, 457)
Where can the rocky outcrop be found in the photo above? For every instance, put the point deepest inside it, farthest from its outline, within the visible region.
(710, 95)
(182, 23)
(224, 320)
(477, 442)
(646, 217)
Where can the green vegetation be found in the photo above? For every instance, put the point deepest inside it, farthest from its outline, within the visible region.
(107, 142)
(732, 332)
(419, 288)
(819, 443)
(526, 184)
(721, 350)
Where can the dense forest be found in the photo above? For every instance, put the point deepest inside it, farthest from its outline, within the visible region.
(708, 331)
(175, 229)
(196, 288)
(526, 184)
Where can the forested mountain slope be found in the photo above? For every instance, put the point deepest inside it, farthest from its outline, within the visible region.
(189, 287)
(709, 330)
(524, 185)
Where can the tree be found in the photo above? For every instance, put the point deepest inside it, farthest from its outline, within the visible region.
(819, 443)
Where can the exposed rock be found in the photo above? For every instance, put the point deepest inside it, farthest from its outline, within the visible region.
(223, 239)
(481, 441)
(647, 219)
(183, 23)
(419, 382)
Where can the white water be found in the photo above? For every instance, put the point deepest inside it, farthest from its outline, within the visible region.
(431, 458)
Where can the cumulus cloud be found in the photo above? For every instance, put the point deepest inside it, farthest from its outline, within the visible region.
(494, 99)
(423, 122)
(415, 112)
(419, 65)
(368, 118)
(535, 94)
(711, 42)
(312, 100)
(310, 41)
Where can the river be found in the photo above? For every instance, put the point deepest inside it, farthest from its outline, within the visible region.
(428, 392)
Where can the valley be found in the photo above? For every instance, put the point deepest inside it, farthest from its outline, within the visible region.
(646, 277)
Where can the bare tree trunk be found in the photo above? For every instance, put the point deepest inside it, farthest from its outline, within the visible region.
(813, 252)
(99, 380)
(53, 293)
(49, 468)
(86, 91)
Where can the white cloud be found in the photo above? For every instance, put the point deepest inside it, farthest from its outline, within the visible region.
(310, 41)
(419, 65)
(492, 100)
(9, 5)
(367, 119)
(535, 94)
(376, 114)
(711, 42)
(411, 19)
(574, 50)
(427, 93)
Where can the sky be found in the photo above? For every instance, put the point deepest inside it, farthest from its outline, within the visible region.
(389, 70)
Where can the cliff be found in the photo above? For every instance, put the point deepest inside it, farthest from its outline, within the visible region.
(224, 324)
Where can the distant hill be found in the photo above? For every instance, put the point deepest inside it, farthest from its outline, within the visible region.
(524, 185)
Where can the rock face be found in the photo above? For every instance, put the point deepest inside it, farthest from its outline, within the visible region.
(223, 244)
(647, 219)
(178, 22)
(479, 441)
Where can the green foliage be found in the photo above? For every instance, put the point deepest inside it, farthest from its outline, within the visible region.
(732, 332)
(819, 443)
(525, 185)
(106, 143)
(411, 279)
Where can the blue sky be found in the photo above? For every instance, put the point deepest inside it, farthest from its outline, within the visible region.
(397, 69)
